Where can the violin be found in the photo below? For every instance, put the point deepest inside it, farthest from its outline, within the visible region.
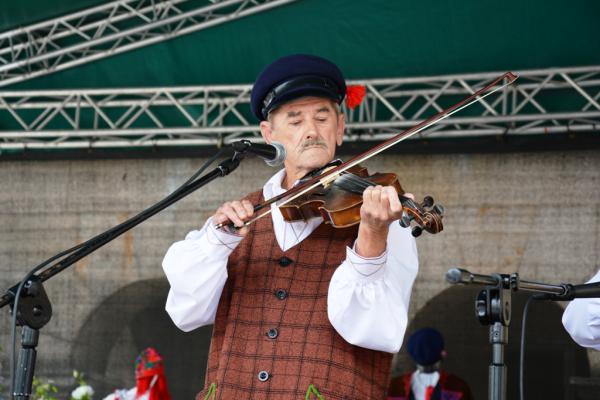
(335, 191)
(339, 202)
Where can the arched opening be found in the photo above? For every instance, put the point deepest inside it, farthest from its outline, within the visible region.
(551, 356)
(125, 323)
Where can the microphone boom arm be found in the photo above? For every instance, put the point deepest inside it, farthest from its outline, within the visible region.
(562, 292)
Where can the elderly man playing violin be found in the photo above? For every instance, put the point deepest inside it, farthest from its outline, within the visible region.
(299, 307)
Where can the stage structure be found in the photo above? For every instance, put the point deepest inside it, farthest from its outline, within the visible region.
(544, 102)
(109, 29)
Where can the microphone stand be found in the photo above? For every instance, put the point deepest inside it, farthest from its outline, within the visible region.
(493, 308)
(34, 309)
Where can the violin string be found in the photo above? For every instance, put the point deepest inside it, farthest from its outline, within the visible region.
(364, 183)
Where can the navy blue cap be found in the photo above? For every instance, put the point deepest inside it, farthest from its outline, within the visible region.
(425, 346)
(292, 77)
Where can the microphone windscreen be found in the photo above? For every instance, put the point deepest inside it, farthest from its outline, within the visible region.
(279, 157)
(454, 275)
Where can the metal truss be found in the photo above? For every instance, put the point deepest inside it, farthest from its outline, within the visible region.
(109, 29)
(545, 102)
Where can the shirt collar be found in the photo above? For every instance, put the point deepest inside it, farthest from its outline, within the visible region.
(273, 186)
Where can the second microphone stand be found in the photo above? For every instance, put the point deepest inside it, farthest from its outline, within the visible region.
(493, 308)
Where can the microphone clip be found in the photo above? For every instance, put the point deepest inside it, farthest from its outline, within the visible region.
(241, 146)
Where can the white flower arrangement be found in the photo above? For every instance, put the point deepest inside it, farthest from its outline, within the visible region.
(82, 393)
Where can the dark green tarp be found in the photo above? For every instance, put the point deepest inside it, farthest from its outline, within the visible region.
(368, 39)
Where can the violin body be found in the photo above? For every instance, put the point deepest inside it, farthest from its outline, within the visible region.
(337, 206)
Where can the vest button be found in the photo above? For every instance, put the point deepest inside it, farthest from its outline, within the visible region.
(273, 333)
(281, 294)
(263, 376)
(284, 261)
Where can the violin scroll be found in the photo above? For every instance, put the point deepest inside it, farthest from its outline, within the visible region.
(426, 216)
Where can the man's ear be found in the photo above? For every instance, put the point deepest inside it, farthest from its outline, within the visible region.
(266, 130)
(341, 128)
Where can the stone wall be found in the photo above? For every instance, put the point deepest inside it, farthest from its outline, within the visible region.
(533, 213)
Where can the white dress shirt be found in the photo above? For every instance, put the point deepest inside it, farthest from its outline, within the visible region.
(368, 298)
(582, 319)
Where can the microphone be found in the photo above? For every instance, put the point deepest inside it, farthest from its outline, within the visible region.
(459, 275)
(273, 154)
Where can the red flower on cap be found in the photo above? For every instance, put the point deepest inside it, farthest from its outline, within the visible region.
(355, 95)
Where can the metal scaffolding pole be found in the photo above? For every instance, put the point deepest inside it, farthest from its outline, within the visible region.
(109, 29)
(545, 102)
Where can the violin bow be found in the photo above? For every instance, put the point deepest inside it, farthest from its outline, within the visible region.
(333, 173)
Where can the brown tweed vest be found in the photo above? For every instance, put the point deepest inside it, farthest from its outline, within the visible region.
(272, 338)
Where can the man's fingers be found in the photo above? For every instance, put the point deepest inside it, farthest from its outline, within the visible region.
(381, 205)
(367, 194)
(394, 201)
(229, 210)
(236, 212)
(376, 195)
(219, 217)
(409, 195)
(384, 203)
(239, 209)
(248, 207)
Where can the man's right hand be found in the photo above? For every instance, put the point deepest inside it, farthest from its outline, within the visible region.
(235, 211)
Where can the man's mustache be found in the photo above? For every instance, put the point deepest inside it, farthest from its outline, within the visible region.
(312, 143)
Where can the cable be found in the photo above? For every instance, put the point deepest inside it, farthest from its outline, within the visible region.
(203, 167)
(522, 351)
(64, 253)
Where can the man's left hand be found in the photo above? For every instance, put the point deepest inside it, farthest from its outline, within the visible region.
(381, 206)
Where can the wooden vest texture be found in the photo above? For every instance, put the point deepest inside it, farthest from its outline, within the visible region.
(272, 318)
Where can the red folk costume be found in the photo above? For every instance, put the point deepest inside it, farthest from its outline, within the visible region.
(150, 376)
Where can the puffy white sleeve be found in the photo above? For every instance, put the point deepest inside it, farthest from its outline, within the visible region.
(582, 320)
(368, 298)
(197, 271)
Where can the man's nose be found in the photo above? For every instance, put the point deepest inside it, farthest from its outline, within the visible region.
(311, 130)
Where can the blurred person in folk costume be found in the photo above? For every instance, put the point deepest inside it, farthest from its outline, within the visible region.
(151, 383)
(429, 381)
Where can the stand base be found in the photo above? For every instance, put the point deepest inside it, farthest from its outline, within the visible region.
(27, 357)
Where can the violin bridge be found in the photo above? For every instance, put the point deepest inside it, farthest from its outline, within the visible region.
(328, 180)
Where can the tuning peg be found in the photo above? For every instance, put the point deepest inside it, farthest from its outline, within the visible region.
(404, 221)
(438, 209)
(417, 230)
(427, 201)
